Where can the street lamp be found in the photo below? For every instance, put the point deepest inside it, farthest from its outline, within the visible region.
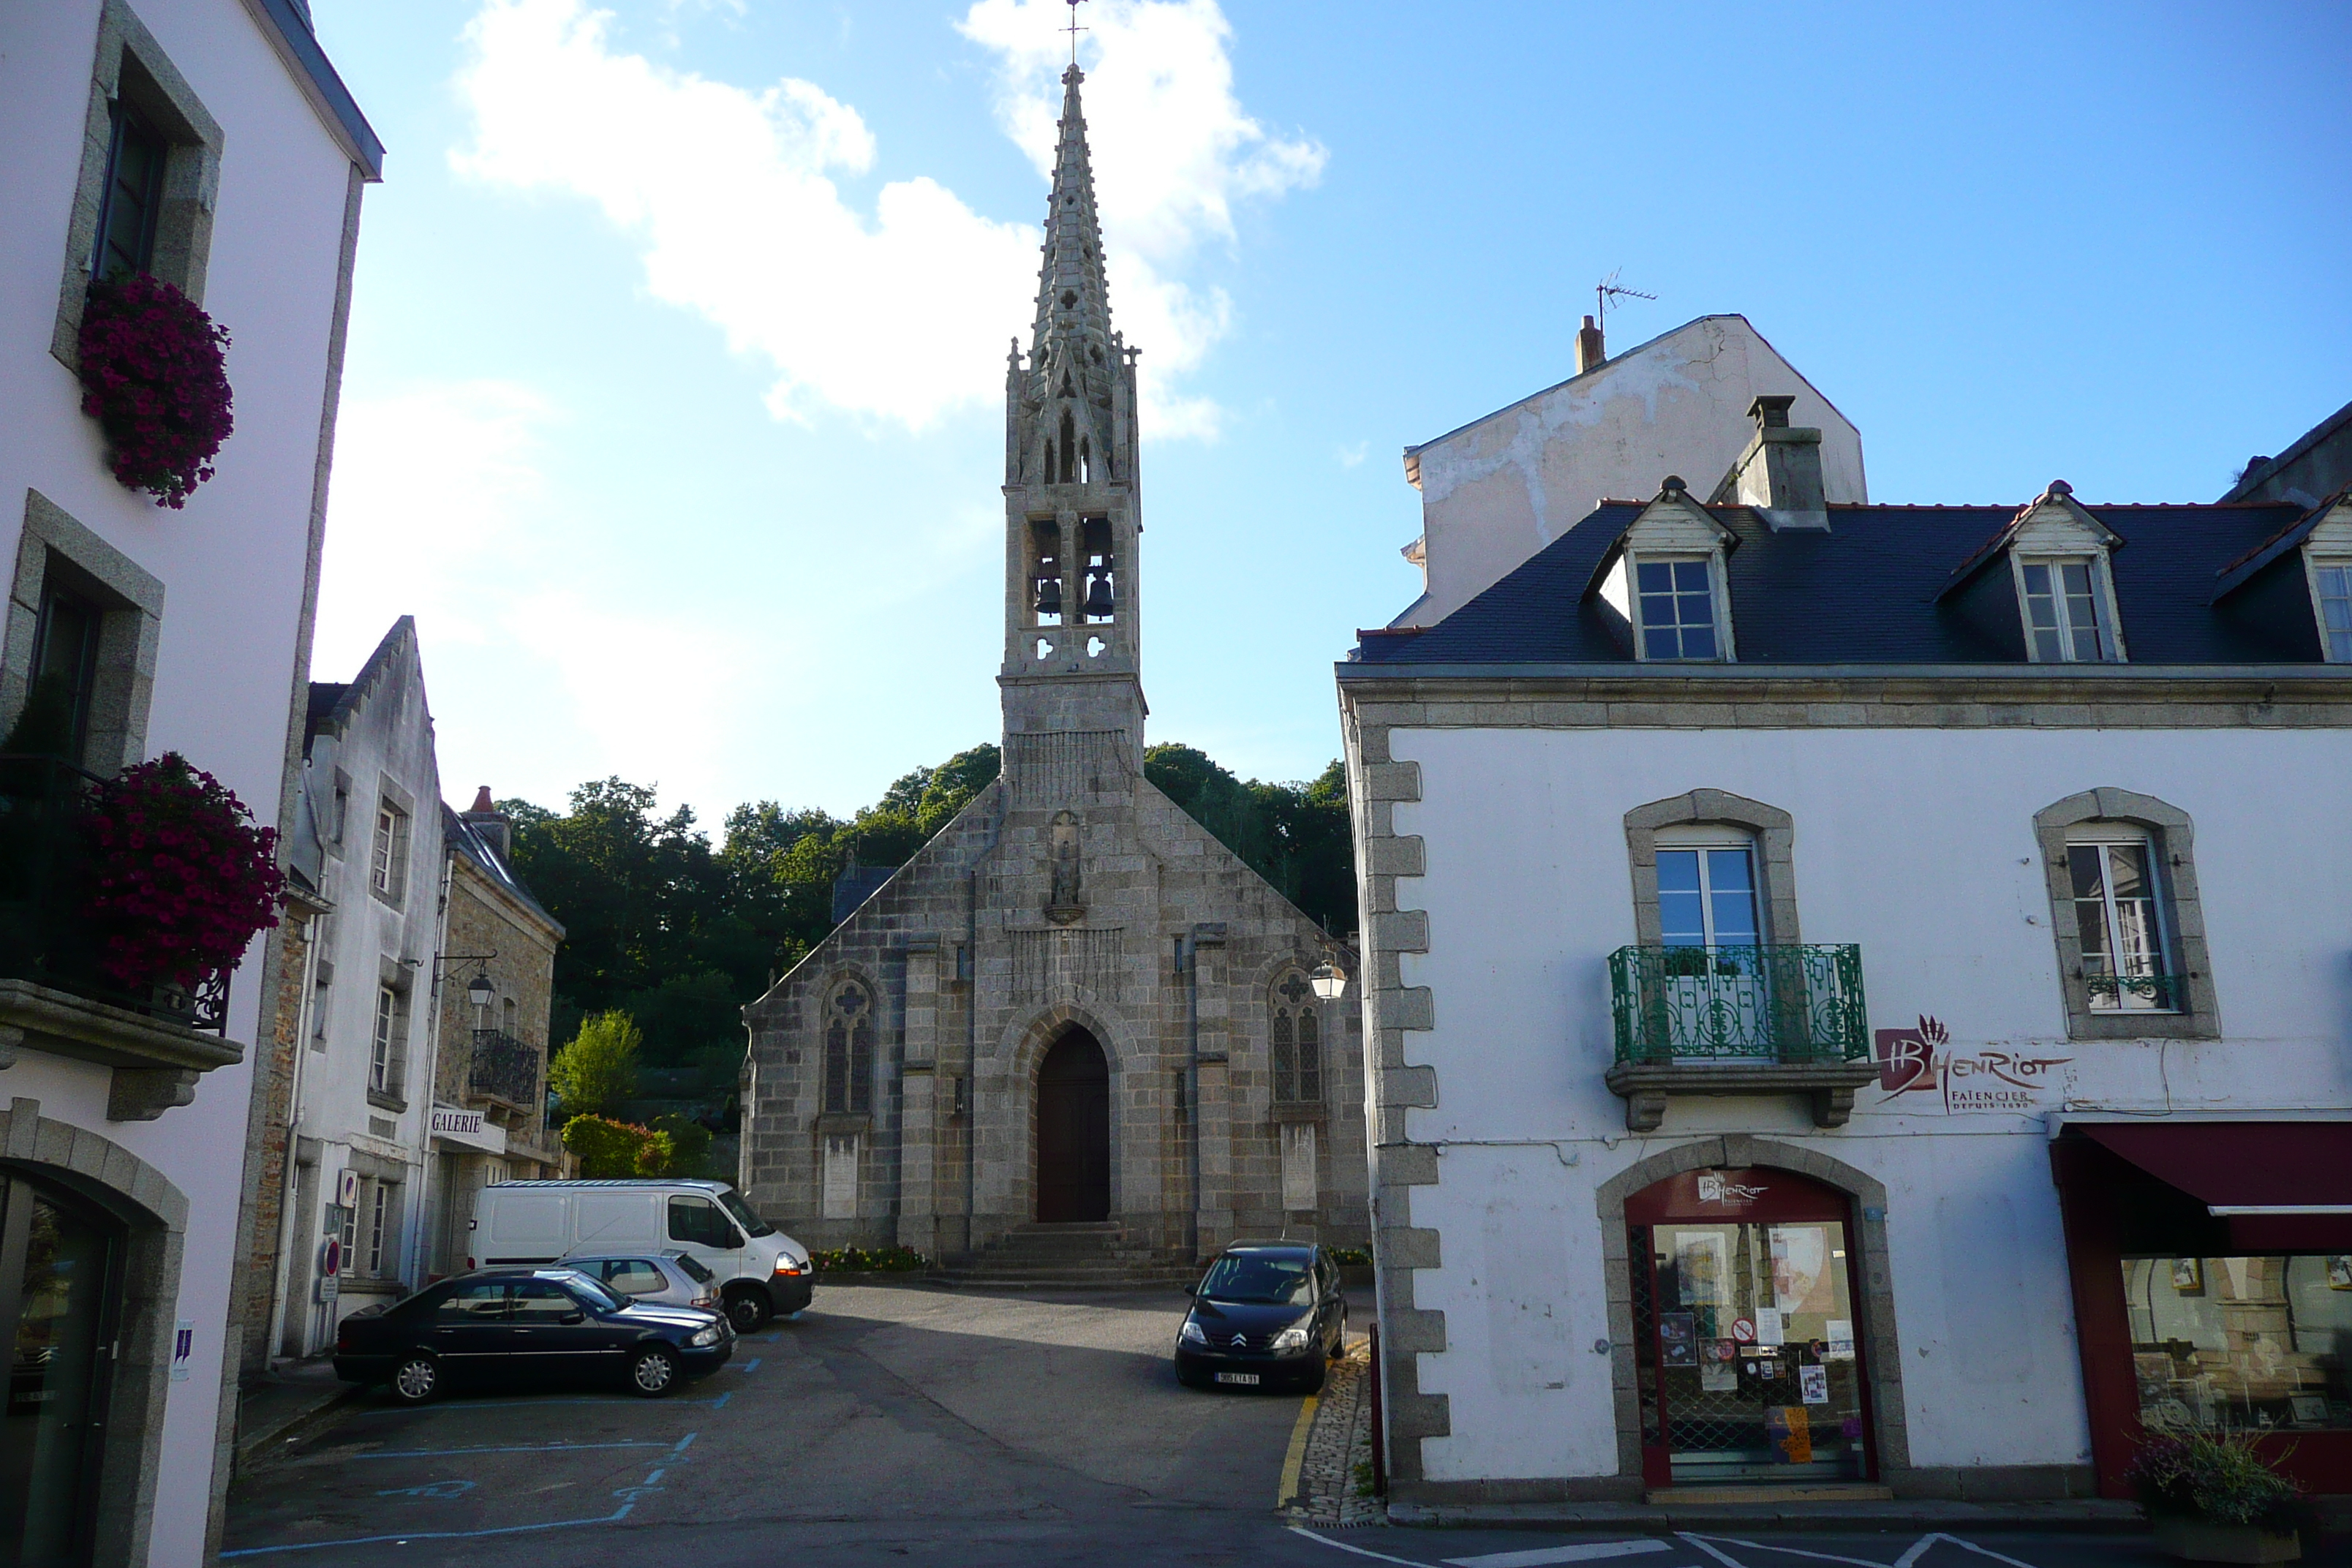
(1329, 982)
(481, 992)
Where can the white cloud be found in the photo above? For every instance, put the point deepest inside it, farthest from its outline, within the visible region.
(1172, 153)
(902, 314)
(1352, 457)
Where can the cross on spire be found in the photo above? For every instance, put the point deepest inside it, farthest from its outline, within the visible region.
(1073, 30)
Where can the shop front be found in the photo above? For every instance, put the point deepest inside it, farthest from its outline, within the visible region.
(2211, 1264)
(1749, 1368)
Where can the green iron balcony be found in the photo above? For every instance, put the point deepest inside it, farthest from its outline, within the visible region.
(1736, 1020)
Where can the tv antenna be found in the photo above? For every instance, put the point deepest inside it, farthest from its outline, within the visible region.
(1609, 289)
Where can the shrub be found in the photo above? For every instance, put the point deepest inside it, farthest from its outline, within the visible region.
(154, 376)
(598, 1070)
(869, 1261)
(181, 875)
(2214, 1476)
(689, 1143)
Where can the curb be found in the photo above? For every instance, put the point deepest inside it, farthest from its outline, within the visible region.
(1843, 1518)
(290, 1423)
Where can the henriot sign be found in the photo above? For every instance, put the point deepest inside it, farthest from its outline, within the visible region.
(1921, 1062)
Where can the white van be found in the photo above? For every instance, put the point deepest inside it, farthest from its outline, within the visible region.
(762, 1271)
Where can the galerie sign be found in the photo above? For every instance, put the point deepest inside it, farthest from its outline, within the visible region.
(1921, 1062)
(457, 1123)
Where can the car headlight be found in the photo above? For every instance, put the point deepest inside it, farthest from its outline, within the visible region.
(787, 1264)
(1191, 1334)
(709, 1336)
(1293, 1338)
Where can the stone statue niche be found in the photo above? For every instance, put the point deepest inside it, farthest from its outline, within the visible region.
(1063, 906)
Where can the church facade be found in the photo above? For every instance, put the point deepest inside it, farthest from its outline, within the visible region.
(1073, 1006)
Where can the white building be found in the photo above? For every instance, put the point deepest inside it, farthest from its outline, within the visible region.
(209, 143)
(1857, 996)
(1504, 486)
(366, 855)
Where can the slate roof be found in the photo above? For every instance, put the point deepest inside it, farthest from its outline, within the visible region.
(463, 839)
(1879, 587)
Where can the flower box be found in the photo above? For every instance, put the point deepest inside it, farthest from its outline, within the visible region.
(2203, 1540)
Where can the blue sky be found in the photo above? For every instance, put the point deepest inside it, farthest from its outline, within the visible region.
(673, 406)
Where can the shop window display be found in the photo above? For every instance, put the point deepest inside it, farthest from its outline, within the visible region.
(2246, 1344)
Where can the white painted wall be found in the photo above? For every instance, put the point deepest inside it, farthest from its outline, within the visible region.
(233, 562)
(1920, 845)
(1501, 488)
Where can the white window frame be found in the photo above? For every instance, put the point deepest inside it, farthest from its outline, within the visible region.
(1700, 840)
(2316, 567)
(1630, 566)
(381, 1042)
(2104, 622)
(388, 853)
(377, 1201)
(2160, 958)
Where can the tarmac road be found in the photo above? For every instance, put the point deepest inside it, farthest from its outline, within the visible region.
(915, 1424)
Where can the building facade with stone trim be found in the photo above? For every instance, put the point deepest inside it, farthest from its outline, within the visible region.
(1855, 996)
(209, 144)
(1073, 1004)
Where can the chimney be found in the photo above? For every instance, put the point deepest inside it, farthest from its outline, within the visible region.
(1589, 354)
(495, 826)
(1781, 473)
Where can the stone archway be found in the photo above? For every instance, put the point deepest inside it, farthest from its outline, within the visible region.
(1874, 1275)
(1072, 1123)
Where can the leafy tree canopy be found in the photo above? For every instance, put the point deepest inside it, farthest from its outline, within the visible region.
(679, 935)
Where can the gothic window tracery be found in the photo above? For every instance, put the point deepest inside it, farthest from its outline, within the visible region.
(849, 1048)
(1297, 1029)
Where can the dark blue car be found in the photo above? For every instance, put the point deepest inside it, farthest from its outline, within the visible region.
(535, 1325)
(1268, 1314)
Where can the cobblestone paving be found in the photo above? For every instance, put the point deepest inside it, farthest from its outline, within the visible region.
(1335, 1476)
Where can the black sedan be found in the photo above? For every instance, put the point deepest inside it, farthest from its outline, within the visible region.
(1267, 1314)
(527, 1325)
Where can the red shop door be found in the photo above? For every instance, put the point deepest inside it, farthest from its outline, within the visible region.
(1748, 1343)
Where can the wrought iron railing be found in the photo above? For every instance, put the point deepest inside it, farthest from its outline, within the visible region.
(47, 934)
(1787, 1004)
(505, 1067)
(2137, 992)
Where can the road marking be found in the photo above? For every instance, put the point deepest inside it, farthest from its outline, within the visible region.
(1288, 1488)
(686, 1442)
(444, 1409)
(751, 1365)
(504, 1449)
(1925, 1542)
(405, 1537)
(1590, 1551)
(1359, 1551)
(1792, 1551)
(1726, 1559)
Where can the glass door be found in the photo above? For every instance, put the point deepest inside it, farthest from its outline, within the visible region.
(1750, 1363)
(59, 1262)
(1716, 1000)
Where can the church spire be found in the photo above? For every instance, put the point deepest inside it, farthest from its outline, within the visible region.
(1073, 303)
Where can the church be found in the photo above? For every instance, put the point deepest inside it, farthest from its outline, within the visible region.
(1074, 1024)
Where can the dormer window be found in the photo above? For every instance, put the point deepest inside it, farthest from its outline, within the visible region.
(1674, 599)
(2062, 610)
(2331, 592)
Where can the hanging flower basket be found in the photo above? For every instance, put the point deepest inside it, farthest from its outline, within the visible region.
(155, 377)
(181, 877)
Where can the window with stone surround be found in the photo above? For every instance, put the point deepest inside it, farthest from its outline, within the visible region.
(1296, 1035)
(849, 1050)
(2126, 918)
(77, 660)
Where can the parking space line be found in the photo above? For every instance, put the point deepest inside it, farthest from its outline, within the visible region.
(1540, 1557)
(405, 1537)
(502, 1448)
(1359, 1551)
(751, 1365)
(1786, 1551)
(520, 1403)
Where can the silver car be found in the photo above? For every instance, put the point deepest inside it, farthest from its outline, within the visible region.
(673, 1278)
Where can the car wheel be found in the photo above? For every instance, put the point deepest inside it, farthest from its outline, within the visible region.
(748, 1310)
(415, 1379)
(654, 1373)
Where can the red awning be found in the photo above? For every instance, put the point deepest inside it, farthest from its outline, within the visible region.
(2283, 1186)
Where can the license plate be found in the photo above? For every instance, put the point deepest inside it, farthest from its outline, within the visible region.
(1248, 1377)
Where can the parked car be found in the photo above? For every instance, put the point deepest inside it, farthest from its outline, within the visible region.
(761, 1270)
(527, 1325)
(666, 1278)
(1267, 1314)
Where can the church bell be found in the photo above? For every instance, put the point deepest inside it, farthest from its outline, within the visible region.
(1098, 599)
(1049, 596)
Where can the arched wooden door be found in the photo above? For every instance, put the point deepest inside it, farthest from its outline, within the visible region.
(1074, 1130)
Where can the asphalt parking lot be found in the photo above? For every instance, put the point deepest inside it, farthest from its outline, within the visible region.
(890, 1425)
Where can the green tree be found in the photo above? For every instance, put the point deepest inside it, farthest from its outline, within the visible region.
(1296, 836)
(598, 1070)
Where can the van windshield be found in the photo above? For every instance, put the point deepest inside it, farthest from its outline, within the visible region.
(732, 1202)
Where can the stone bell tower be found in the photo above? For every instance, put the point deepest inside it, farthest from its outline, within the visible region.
(1072, 497)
